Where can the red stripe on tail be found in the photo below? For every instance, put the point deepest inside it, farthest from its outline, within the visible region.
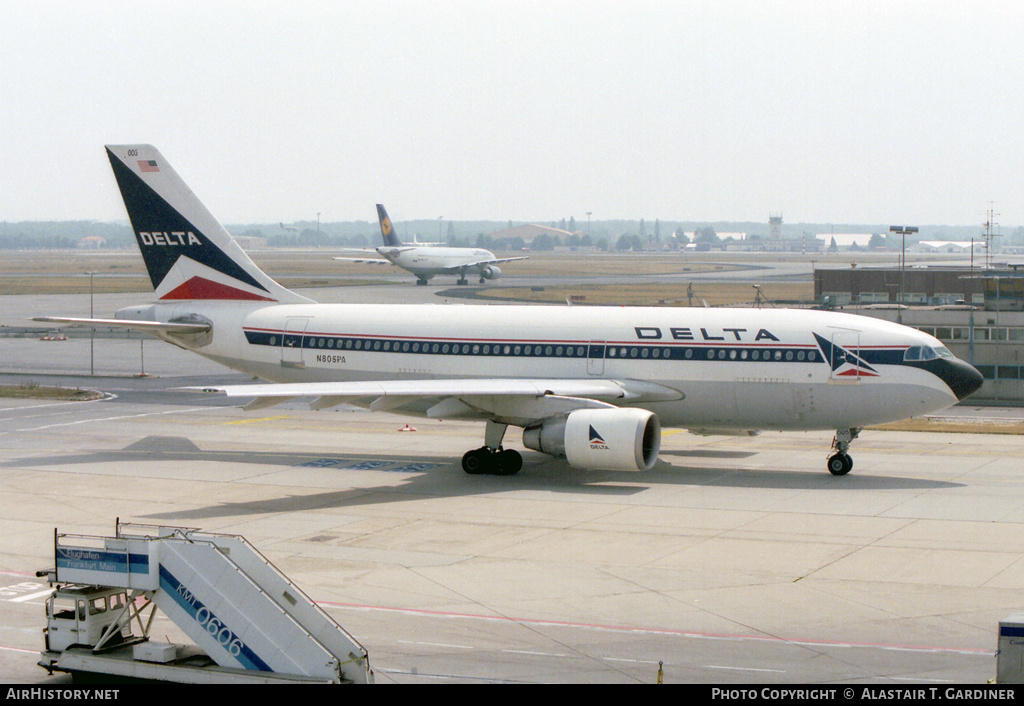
(200, 288)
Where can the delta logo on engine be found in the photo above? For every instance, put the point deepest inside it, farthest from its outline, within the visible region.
(596, 442)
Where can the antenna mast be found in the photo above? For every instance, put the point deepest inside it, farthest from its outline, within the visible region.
(990, 225)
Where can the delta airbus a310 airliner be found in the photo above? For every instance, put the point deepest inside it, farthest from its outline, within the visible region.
(594, 385)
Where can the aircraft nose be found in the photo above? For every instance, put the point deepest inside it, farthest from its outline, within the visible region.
(963, 378)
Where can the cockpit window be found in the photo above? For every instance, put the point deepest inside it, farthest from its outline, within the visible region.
(918, 353)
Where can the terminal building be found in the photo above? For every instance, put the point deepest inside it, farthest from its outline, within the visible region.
(977, 313)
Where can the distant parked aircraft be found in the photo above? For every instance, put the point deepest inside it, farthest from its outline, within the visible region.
(426, 260)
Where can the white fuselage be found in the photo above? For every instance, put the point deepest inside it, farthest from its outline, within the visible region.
(735, 368)
(429, 261)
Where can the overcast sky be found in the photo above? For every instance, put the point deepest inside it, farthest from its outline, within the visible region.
(831, 112)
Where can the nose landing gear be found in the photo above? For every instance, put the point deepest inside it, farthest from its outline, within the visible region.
(840, 463)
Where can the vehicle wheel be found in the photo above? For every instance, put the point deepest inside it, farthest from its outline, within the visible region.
(839, 464)
(478, 461)
(508, 463)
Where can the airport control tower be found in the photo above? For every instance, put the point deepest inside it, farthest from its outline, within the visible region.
(775, 226)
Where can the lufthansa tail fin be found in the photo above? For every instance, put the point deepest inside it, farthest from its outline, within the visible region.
(188, 253)
(387, 231)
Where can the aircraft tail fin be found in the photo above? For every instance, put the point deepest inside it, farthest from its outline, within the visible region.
(188, 253)
(387, 231)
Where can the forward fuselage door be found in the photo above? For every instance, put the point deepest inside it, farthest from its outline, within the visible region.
(595, 358)
(845, 355)
(291, 343)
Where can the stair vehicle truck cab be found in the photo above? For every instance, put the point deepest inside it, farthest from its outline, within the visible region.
(248, 622)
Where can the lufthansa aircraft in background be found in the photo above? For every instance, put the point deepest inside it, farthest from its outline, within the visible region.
(594, 385)
(426, 260)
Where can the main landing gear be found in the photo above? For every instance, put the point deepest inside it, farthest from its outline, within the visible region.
(491, 458)
(495, 462)
(840, 463)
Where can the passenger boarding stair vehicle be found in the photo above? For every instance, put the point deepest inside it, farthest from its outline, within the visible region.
(249, 623)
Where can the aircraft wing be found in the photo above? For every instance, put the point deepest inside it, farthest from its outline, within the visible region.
(513, 401)
(151, 327)
(457, 269)
(372, 256)
(364, 260)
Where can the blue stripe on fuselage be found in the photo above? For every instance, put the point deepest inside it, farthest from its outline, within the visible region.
(690, 351)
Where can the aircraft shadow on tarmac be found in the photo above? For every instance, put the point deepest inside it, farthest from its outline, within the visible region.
(708, 453)
(434, 477)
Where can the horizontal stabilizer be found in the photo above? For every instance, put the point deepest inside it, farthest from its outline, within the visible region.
(152, 327)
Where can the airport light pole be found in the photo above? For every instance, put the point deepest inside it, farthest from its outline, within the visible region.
(92, 330)
(902, 230)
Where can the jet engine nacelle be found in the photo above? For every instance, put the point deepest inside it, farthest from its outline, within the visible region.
(490, 272)
(600, 439)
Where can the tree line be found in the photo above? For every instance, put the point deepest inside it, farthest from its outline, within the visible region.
(605, 236)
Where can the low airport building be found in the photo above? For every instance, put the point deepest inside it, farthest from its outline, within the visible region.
(977, 313)
(530, 231)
